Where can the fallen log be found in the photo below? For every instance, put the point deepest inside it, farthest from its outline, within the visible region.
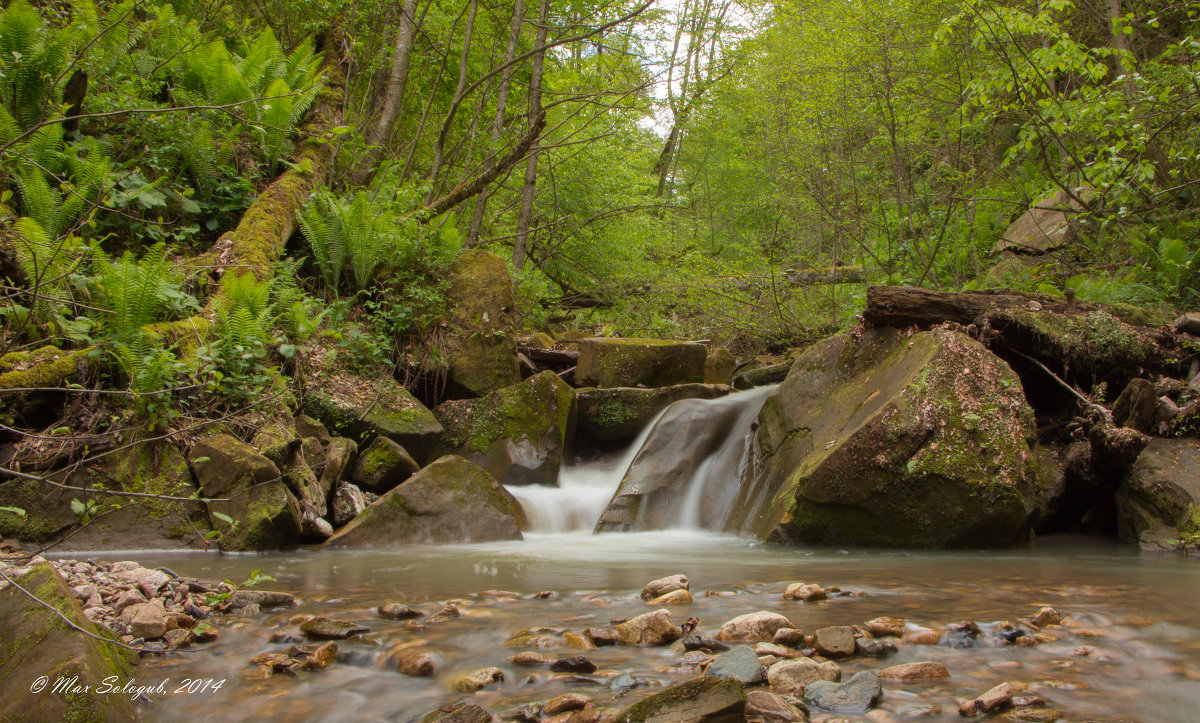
(552, 356)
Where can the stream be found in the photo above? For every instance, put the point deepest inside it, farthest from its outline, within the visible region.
(1129, 648)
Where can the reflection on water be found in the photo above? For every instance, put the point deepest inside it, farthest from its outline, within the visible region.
(1138, 614)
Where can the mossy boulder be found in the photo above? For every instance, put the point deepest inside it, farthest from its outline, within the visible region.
(878, 437)
(362, 408)
(382, 465)
(482, 345)
(719, 366)
(519, 434)
(452, 500)
(116, 521)
(619, 413)
(265, 513)
(639, 362)
(707, 699)
(34, 642)
(1158, 507)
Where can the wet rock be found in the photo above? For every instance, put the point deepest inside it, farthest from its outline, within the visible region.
(639, 362)
(541, 642)
(719, 366)
(791, 637)
(565, 703)
(1137, 406)
(307, 427)
(149, 582)
(148, 621)
(128, 598)
(994, 699)
(398, 611)
(261, 598)
(323, 627)
(863, 444)
(791, 677)
(782, 652)
(753, 627)
(922, 636)
(416, 663)
(911, 672)
(664, 585)
(872, 648)
(530, 659)
(697, 642)
(855, 696)
(804, 592)
(575, 640)
(885, 626)
(961, 635)
(624, 681)
(619, 413)
(577, 664)
(678, 597)
(762, 376)
(286, 636)
(653, 628)
(482, 347)
(1157, 503)
(700, 700)
(382, 465)
(740, 664)
(1045, 616)
(1034, 715)
(451, 500)
(178, 638)
(601, 636)
(476, 681)
(835, 641)
(459, 713)
(771, 708)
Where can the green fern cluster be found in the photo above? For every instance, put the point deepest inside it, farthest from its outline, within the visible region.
(32, 56)
(136, 292)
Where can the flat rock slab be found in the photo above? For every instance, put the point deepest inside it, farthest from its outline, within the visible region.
(700, 700)
(619, 413)
(740, 664)
(855, 696)
(328, 628)
(639, 362)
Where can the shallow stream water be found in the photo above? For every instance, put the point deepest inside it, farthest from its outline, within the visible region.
(1138, 615)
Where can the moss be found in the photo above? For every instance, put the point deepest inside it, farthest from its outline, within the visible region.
(377, 456)
(1096, 340)
(45, 367)
(684, 695)
(538, 406)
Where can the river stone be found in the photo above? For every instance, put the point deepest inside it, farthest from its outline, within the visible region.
(398, 611)
(835, 641)
(805, 592)
(382, 466)
(478, 680)
(883, 438)
(741, 664)
(664, 585)
(619, 413)
(911, 672)
(771, 708)
(481, 347)
(1045, 616)
(361, 406)
(872, 648)
(519, 434)
(307, 427)
(348, 502)
(451, 500)
(755, 627)
(1159, 503)
(761, 376)
(855, 696)
(676, 597)
(416, 663)
(328, 628)
(719, 366)
(652, 628)
(266, 514)
(657, 484)
(575, 664)
(37, 643)
(884, 626)
(791, 677)
(128, 522)
(639, 362)
(262, 598)
(460, 713)
(699, 700)
(339, 455)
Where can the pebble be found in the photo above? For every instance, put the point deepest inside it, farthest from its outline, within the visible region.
(805, 592)
(576, 664)
(323, 627)
(396, 611)
(664, 585)
(910, 672)
(563, 703)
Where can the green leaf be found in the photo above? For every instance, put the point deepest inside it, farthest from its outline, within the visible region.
(77, 507)
(13, 510)
(223, 517)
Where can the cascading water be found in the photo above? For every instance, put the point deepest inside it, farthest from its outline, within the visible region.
(682, 472)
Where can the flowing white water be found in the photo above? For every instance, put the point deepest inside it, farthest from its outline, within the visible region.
(583, 491)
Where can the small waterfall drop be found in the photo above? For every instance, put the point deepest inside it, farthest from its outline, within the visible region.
(682, 472)
(583, 491)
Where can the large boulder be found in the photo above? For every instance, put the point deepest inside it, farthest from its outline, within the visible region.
(762, 376)
(619, 413)
(879, 437)
(700, 700)
(482, 348)
(686, 469)
(518, 434)
(1158, 507)
(127, 522)
(1049, 225)
(265, 513)
(639, 362)
(382, 465)
(451, 500)
(36, 644)
(363, 407)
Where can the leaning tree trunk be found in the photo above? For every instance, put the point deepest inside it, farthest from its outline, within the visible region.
(525, 215)
(254, 246)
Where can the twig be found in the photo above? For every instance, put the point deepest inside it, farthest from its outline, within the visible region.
(65, 619)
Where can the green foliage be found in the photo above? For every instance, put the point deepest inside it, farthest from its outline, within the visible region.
(32, 57)
(137, 292)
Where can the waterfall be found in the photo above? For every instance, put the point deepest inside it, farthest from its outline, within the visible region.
(683, 471)
(582, 493)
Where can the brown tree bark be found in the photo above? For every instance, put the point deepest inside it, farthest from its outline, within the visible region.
(406, 37)
(525, 215)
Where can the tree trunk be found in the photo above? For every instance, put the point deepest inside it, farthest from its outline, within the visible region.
(439, 148)
(406, 37)
(520, 243)
(514, 34)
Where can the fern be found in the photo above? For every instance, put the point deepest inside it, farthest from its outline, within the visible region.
(321, 227)
(146, 365)
(48, 263)
(32, 56)
(136, 292)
